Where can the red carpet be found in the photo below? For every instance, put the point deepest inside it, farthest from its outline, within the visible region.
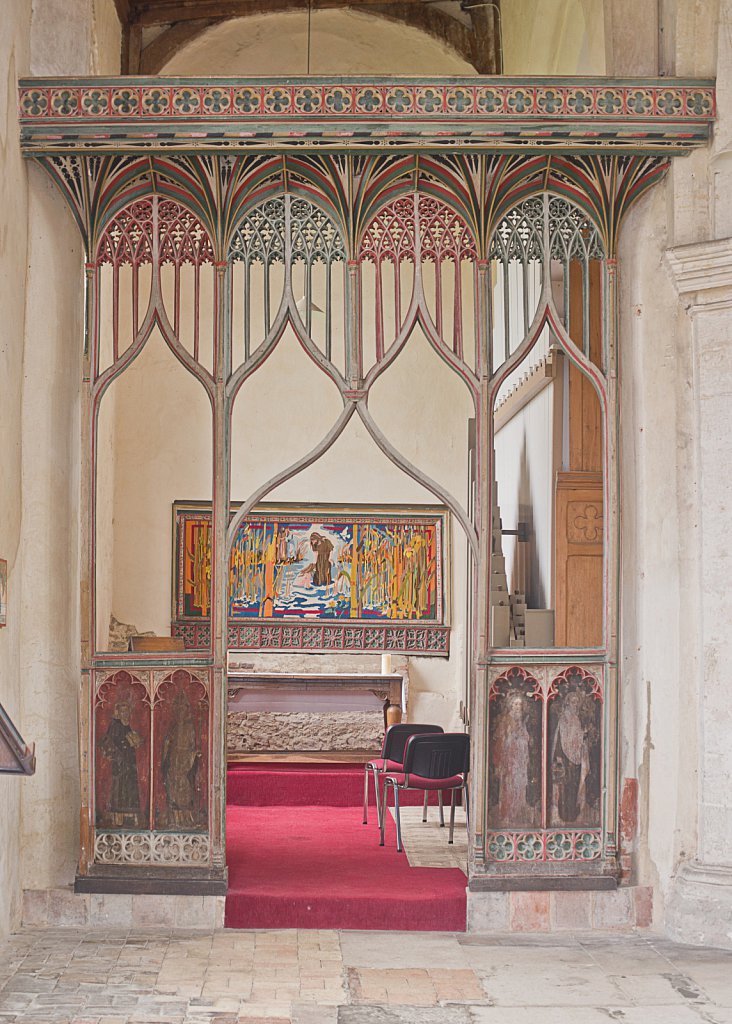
(304, 784)
(306, 864)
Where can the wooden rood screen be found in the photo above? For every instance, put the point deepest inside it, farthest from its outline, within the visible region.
(355, 215)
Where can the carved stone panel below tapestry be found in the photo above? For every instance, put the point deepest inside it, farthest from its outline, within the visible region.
(515, 743)
(257, 731)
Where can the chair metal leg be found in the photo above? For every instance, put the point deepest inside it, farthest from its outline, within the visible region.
(424, 805)
(378, 800)
(442, 810)
(398, 819)
(366, 794)
(467, 807)
(452, 815)
(382, 823)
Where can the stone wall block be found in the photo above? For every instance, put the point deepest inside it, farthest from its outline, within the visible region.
(643, 899)
(614, 909)
(205, 912)
(571, 911)
(35, 908)
(487, 911)
(67, 909)
(153, 911)
(113, 910)
(250, 731)
(529, 912)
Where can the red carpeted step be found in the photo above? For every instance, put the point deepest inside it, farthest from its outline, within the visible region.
(319, 867)
(290, 784)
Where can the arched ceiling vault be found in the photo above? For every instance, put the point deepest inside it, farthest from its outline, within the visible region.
(470, 27)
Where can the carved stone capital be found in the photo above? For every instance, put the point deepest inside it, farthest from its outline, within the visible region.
(702, 274)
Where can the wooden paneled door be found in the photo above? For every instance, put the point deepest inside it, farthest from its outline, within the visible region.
(579, 560)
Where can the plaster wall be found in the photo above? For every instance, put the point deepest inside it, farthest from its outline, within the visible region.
(660, 553)
(675, 384)
(49, 646)
(59, 39)
(162, 451)
(525, 477)
(14, 58)
(553, 37)
(341, 42)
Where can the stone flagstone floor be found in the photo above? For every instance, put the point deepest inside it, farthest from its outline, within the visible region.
(311, 977)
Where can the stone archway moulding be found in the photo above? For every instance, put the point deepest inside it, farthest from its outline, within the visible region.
(205, 155)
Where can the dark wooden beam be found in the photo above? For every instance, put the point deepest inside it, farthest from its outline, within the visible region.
(487, 56)
(132, 49)
(123, 11)
(165, 12)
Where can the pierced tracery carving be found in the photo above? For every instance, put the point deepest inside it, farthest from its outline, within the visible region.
(129, 237)
(260, 235)
(315, 238)
(572, 233)
(165, 849)
(182, 236)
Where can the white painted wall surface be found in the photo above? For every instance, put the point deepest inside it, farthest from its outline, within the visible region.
(49, 652)
(525, 478)
(659, 622)
(341, 42)
(553, 37)
(40, 359)
(14, 58)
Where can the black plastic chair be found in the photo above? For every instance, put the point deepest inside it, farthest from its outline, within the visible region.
(392, 760)
(431, 762)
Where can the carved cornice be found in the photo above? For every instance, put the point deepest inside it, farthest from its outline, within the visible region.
(702, 274)
(154, 114)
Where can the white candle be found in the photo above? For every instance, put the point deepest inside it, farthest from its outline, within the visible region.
(385, 664)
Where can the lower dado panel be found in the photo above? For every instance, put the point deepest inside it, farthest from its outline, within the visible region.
(152, 800)
(546, 764)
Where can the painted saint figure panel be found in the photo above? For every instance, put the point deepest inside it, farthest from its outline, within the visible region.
(574, 750)
(181, 742)
(515, 737)
(122, 726)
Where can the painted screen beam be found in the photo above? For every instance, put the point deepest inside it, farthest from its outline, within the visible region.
(142, 115)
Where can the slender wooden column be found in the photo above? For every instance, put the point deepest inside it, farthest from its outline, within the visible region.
(87, 616)
(220, 563)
